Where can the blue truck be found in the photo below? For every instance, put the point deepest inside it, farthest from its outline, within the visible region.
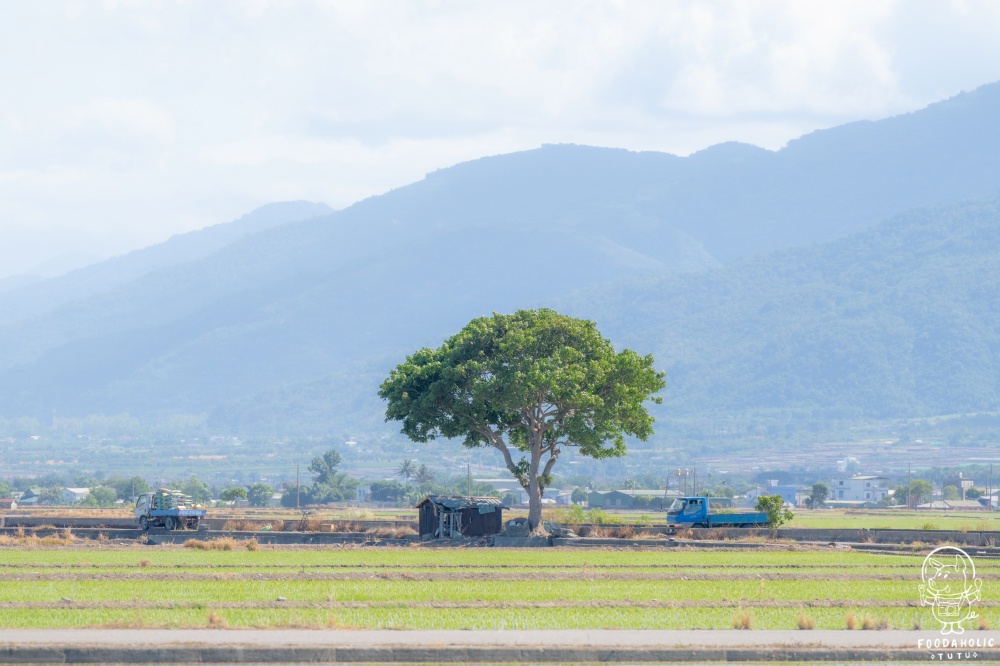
(697, 512)
(169, 509)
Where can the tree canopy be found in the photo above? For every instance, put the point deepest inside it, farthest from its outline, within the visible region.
(527, 384)
(259, 494)
(325, 466)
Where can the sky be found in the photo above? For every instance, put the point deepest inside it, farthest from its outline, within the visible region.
(125, 122)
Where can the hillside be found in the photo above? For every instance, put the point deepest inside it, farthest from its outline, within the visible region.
(899, 320)
(294, 325)
(30, 296)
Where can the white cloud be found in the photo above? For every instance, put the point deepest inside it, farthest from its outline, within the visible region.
(140, 118)
(127, 121)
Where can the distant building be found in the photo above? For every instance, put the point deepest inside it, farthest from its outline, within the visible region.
(610, 499)
(963, 483)
(789, 493)
(8, 504)
(860, 488)
(30, 497)
(450, 516)
(74, 495)
(955, 505)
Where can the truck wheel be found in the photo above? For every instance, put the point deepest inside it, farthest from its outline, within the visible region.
(698, 525)
(170, 523)
(746, 525)
(143, 523)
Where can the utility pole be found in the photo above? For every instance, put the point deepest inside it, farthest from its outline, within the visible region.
(989, 489)
(909, 488)
(296, 485)
(470, 477)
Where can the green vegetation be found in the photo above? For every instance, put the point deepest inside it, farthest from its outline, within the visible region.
(526, 384)
(479, 588)
(772, 505)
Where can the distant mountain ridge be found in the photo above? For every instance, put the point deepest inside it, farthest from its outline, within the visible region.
(31, 297)
(312, 312)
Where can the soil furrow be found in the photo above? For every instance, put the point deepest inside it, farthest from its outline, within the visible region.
(442, 605)
(452, 577)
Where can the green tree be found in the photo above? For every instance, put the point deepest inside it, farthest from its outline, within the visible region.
(51, 496)
(325, 466)
(387, 491)
(773, 506)
(919, 492)
(84, 481)
(973, 493)
(259, 494)
(197, 490)
(126, 489)
(950, 493)
(817, 498)
(233, 494)
(424, 475)
(579, 495)
(406, 469)
(100, 496)
(527, 384)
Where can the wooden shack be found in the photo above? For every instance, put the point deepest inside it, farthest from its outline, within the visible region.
(449, 516)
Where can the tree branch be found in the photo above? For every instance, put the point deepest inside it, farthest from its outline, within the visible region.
(496, 441)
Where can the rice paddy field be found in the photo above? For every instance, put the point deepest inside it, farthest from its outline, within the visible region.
(474, 588)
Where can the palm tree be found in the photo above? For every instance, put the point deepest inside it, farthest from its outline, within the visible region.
(424, 475)
(406, 470)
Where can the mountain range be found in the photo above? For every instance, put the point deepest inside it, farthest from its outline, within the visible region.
(849, 273)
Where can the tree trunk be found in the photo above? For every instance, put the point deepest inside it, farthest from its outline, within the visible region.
(535, 493)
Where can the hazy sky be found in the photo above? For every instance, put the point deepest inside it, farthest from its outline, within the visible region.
(123, 122)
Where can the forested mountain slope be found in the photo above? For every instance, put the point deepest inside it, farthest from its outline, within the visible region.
(331, 302)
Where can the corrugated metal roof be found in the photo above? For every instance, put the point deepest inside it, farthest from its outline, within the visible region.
(458, 503)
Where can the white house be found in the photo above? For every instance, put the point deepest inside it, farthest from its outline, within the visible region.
(859, 488)
(74, 495)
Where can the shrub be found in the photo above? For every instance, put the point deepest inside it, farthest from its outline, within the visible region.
(241, 525)
(622, 532)
(852, 622)
(742, 620)
(805, 622)
(216, 621)
(225, 543)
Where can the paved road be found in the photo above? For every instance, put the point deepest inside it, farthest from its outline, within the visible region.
(332, 646)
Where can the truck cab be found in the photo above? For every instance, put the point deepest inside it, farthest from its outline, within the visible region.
(689, 511)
